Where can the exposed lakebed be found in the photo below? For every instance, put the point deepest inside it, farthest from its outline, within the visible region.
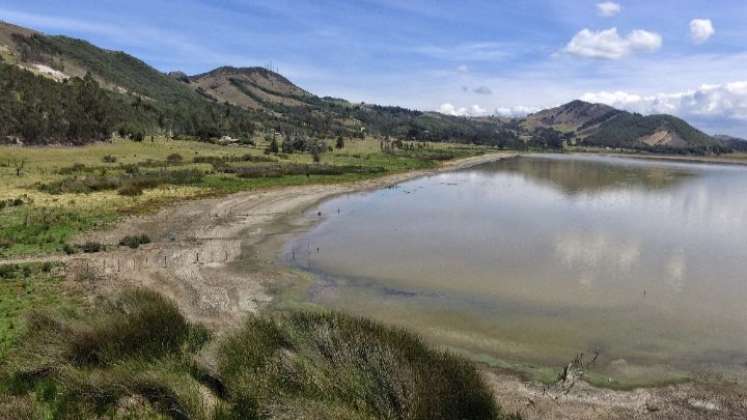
(529, 261)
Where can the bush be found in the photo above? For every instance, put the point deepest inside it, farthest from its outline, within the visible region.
(134, 241)
(8, 271)
(273, 147)
(333, 363)
(109, 159)
(89, 184)
(69, 249)
(140, 324)
(174, 158)
(130, 190)
(6, 243)
(340, 144)
(268, 171)
(140, 348)
(19, 408)
(126, 349)
(91, 247)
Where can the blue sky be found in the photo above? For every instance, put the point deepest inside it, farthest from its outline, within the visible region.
(468, 57)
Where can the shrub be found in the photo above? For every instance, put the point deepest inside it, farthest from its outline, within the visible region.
(340, 144)
(264, 171)
(332, 363)
(19, 408)
(88, 184)
(83, 185)
(134, 241)
(126, 349)
(6, 243)
(74, 168)
(273, 147)
(174, 158)
(130, 190)
(140, 348)
(91, 247)
(69, 249)
(246, 141)
(109, 159)
(8, 271)
(140, 323)
(46, 267)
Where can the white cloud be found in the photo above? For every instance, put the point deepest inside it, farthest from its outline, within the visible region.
(477, 110)
(608, 8)
(450, 109)
(515, 111)
(701, 30)
(722, 101)
(473, 111)
(463, 69)
(608, 44)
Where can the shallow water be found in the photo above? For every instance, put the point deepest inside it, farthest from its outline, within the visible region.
(535, 259)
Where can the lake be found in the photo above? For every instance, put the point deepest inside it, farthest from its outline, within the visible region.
(527, 262)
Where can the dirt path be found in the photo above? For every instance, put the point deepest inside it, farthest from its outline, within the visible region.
(216, 259)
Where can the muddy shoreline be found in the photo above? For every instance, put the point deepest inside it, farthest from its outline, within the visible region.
(218, 259)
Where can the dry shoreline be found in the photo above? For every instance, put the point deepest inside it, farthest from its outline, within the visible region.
(217, 259)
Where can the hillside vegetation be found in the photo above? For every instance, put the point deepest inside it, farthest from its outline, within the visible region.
(135, 100)
(579, 123)
(136, 356)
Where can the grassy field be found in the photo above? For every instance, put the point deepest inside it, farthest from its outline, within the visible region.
(50, 194)
(29, 286)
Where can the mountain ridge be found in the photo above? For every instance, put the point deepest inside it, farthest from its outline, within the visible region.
(250, 100)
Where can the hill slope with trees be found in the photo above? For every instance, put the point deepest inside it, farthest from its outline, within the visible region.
(65, 90)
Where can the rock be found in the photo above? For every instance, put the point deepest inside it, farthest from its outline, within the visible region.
(652, 406)
(702, 404)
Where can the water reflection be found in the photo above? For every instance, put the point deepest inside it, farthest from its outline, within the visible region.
(539, 258)
(588, 175)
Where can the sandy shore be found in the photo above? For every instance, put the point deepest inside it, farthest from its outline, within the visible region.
(217, 259)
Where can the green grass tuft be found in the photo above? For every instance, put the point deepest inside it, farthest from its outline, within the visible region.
(138, 355)
(306, 364)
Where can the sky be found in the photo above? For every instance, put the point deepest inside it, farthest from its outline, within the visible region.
(466, 57)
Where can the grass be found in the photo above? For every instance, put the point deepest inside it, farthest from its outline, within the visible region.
(64, 191)
(309, 363)
(24, 287)
(138, 355)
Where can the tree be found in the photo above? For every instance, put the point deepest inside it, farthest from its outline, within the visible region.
(274, 148)
(340, 143)
(19, 164)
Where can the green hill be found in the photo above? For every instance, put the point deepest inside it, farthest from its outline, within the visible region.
(45, 75)
(599, 125)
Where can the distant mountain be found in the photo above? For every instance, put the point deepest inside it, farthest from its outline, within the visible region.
(242, 102)
(575, 117)
(250, 87)
(735, 143)
(46, 76)
(589, 124)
